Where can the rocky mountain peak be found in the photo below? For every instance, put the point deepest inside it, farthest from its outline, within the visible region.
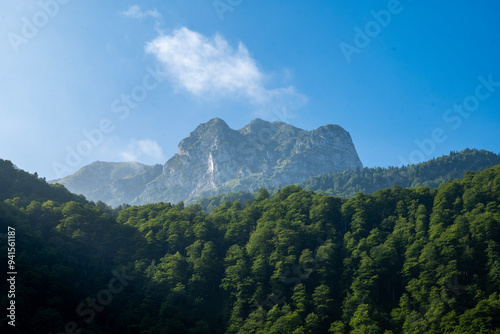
(205, 135)
(215, 158)
(255, 125)
(259, 127)
(214, 126)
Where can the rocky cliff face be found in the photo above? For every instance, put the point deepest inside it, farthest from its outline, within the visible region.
(215, 159)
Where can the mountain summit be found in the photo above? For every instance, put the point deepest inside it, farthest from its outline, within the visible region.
(215, 158)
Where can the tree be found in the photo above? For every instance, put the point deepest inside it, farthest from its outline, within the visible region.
(362, 322)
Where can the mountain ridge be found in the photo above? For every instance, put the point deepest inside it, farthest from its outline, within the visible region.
(217, 158)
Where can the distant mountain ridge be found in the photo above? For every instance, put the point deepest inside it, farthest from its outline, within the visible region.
(430, 173)
(215, 159)
(93, 176)
(114, 183)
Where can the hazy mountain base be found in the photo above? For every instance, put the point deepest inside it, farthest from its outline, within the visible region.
(398, 261)
(114, 183)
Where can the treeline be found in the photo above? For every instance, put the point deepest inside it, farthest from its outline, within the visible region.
(416, 260)
(210, 203)
(431, 173)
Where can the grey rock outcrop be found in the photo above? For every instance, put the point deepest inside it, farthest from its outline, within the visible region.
(215, 158)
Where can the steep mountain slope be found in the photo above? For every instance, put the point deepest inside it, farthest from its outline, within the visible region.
(215, 158)
(125, 190)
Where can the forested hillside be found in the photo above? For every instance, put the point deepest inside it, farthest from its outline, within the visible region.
(416, 260)
(15, 182)
(430, 173)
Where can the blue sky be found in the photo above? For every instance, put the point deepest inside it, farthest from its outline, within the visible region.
(114, 81)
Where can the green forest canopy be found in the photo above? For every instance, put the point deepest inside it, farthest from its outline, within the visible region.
(411, 260)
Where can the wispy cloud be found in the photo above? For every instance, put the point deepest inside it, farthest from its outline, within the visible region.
(211, 66)
(146, 150)
(135, 12)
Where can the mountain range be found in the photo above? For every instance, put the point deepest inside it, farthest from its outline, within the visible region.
(216, 163)
(215, 159)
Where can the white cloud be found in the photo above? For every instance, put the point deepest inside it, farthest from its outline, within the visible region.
(211, 66)
(135, 12)
(146, 150)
